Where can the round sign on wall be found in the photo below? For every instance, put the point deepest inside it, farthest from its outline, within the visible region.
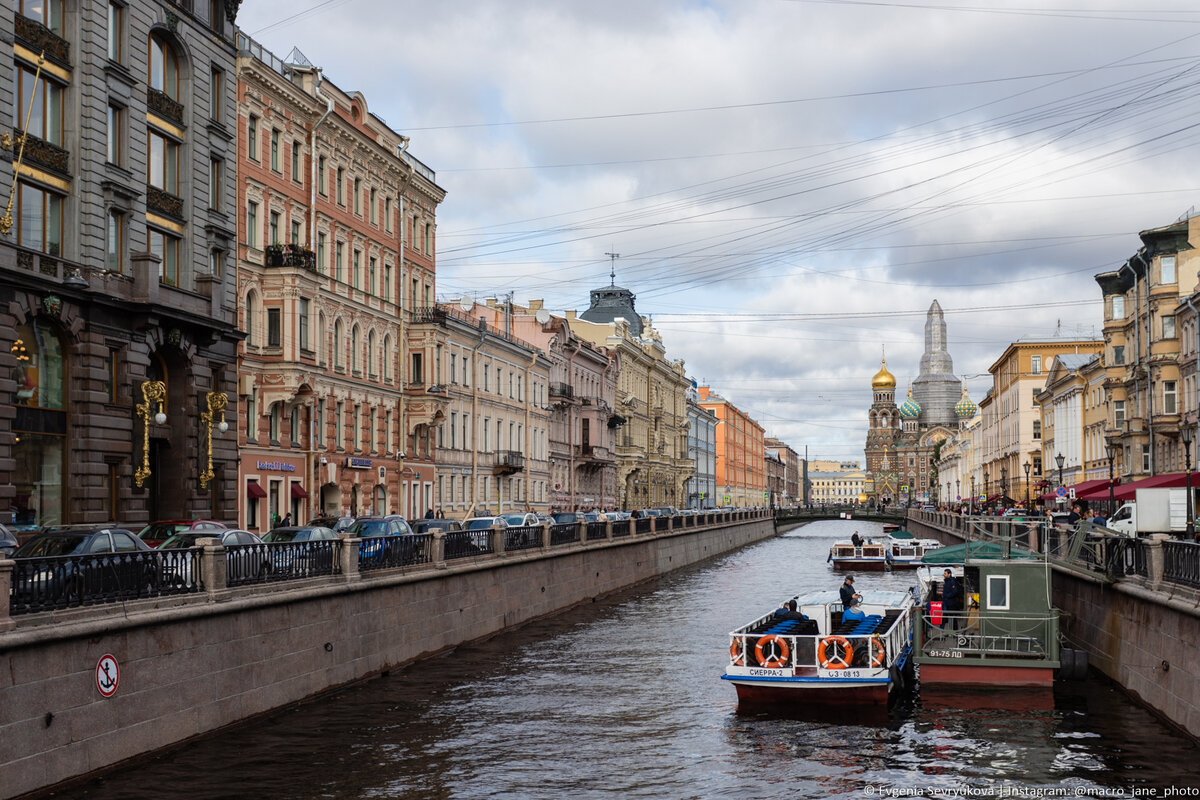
(108, 675)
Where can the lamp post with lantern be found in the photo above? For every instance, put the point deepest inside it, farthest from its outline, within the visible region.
(1027, 466)
(1110, 445)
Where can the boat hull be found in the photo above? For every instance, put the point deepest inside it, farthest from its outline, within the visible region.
(813, 692)
(862, 565)
(989, 675)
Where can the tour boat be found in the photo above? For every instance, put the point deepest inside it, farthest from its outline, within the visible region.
(870, 556)
(775, 664)
(905, 551)
(1007, 633)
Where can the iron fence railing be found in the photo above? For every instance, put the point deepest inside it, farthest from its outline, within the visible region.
(643, 525)
(1181, 563)
(383, 552)
(620, 528)
(597, 530)
(564, 533)
(464, 544)
(526, 537)
(271, 562)
(1127, 557)
(54, 582)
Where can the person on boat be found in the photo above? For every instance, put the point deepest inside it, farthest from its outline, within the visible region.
(853, 613)
(856, 540)
(848, 593)
(952, 599)
(788, 611)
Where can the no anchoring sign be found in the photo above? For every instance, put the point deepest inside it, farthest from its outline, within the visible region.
(108, 675)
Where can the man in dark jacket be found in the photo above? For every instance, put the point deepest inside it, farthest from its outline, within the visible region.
(952, 602)
(788, 611)
(847, 591)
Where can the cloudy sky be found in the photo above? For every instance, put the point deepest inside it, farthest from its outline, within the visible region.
(789, 183)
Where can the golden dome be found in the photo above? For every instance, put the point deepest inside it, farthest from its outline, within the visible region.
(883, 379)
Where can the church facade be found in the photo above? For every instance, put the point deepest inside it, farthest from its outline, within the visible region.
(903, 441)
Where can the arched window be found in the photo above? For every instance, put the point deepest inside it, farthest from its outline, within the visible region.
(371, 353)
(320, 338)
(386, 358)
(164, 67)
(354, 349)
(250, 311)
(40, 426)
(338, 333)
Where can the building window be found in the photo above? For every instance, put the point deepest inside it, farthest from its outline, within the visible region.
(1035, 365)
(296, 162)
(252, 415)
(1118, 306)
(358, 196)
(1170, 395)
(252, 224)
(321, 253)
(275, 420)
(387, 214)
(371, 275)
(339, 426)
(115, 241)
(341, 184)
(338, 344)
(294, 427)
(304, 301)
(273, 229)
(1145, 458)
(116, 25)
(163, 163)
(45, 113)
(1166, 268)
(164, 68)
(1168, 326)
(39, 426)
(337, 264)
(116, 124)
(356, 274)
(1037, 429)
(321, 175)
(1118, 413)
(166, 247)
(387, 281)
(252, 138)
(216, 262)
(428, 239)
(215, 167)
(275, 150)
(371, 206)
(1118, 354)
(274, 328)
(216, 93)
(295, 232)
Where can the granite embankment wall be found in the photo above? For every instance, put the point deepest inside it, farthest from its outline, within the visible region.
(1143, 632)
(192, 665)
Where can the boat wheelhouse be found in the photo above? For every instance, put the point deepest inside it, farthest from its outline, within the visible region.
(905, 551)
(825, 659)
(1007, 633)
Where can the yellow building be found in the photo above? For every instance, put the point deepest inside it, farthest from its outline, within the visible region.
(837, 487)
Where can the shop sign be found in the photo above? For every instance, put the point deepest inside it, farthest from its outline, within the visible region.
(278, 466)
(358, 463)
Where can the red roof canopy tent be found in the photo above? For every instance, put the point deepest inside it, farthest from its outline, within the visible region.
(254, 491)
(298, 492)
(1083, 488)
(1128, 491)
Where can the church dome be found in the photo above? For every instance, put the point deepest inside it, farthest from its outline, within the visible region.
(911, 408)
(883, 379)
(965, 408)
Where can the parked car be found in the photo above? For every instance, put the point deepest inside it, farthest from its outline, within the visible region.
(305, 559)
(566, 518)
(375, 530)
(239, 565)
(108, 570)
(666, 511)
(519, 519)
(431, 525)
(8, 542)
(336, 524)
(156, 533)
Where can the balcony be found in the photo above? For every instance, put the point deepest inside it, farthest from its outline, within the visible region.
(290, 255)
(593, 455)
(42, 153)
(562, 391)
(158, 102)
(165, 203)
(39, 38)
(507, 462)
(428, 315)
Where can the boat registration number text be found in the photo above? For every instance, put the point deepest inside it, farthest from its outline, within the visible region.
(945, 654)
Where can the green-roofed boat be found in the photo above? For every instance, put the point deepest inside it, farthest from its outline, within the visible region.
(905, 551)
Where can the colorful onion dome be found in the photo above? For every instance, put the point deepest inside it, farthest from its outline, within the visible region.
(883, 379)
(965, 408)
(911, 408)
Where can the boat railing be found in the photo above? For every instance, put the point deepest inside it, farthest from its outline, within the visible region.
(999, 635)
(860, 651)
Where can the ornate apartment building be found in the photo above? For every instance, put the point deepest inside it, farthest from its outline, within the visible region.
(116, 276)
(335, 248)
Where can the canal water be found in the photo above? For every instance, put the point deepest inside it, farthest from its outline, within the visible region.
(621, 698)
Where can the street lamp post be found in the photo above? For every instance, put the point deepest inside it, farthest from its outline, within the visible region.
(1110, 444)
(1185, 436)
(972, 495)
(1059, 459)
(985, 489)
(1027, 466)
(1003, 482)
(958, 492)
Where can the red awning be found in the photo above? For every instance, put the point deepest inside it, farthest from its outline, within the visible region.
(1083, 488)
(298, 492)
(1128, 491)
(254, 491)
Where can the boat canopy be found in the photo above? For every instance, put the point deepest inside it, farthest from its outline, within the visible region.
(961, 553)
(901, 534)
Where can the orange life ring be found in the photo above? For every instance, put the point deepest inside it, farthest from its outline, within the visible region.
(735, 652)
(878, 653)
(837, 660)
(777, 657)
